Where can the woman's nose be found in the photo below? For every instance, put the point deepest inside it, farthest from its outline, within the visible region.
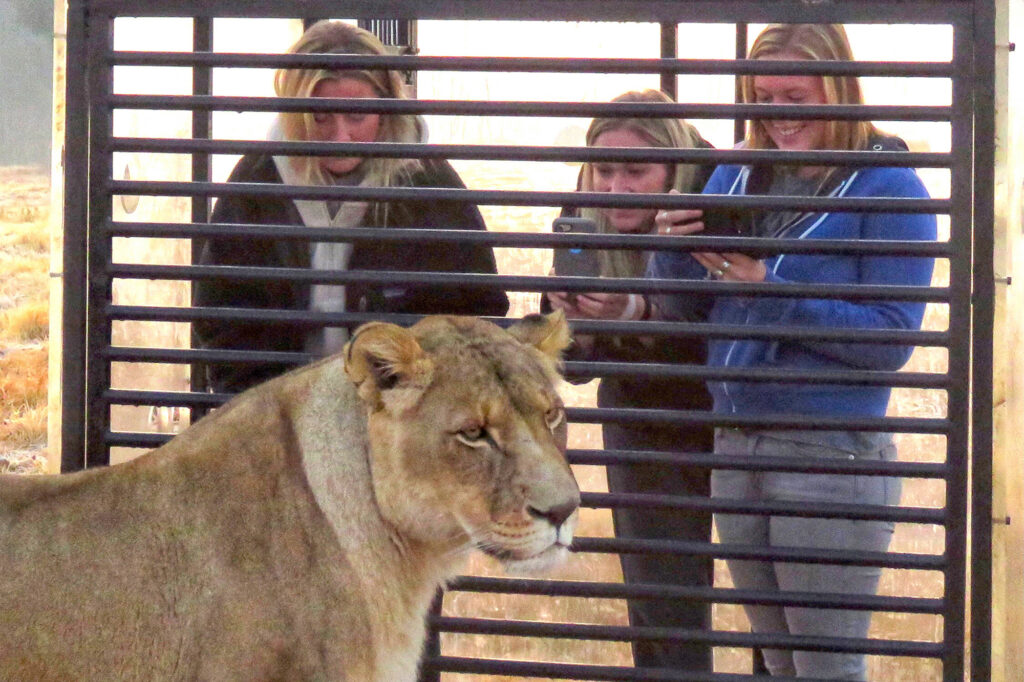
(620, 183)
(338, 130)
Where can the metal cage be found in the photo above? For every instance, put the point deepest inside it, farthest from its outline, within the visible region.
(94, 183)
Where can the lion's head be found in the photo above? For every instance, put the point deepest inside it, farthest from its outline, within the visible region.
(468, 433)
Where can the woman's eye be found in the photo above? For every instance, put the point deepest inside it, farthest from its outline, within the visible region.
(321, 118)
(603, 171)
(355, 119)
(554, 417)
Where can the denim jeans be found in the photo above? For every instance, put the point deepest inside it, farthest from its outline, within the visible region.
(817, 533)
(667, 524)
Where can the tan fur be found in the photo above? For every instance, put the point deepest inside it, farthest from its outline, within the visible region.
(299, 532)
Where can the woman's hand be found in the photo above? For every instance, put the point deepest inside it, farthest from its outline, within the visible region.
(565, 302)
(605, 306)
(679, 221)
(732, 267)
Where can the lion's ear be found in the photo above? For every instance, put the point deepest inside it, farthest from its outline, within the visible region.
(384, 357)
(548, 333)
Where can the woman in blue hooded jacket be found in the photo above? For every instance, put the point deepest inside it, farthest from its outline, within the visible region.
(737, 397)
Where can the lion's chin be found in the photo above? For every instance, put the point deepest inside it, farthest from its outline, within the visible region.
(544, 562)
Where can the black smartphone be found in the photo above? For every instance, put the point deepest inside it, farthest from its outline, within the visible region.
(728, 221)
(575, 262)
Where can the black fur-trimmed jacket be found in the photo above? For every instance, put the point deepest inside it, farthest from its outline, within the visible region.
(362, 297)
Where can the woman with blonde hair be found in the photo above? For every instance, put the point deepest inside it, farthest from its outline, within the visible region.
(336, 37)
(771, 400)
(658, 479)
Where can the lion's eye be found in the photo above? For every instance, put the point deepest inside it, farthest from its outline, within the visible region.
(554, 417)
(471, 435)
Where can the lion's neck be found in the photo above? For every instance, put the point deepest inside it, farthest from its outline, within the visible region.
(397, 576)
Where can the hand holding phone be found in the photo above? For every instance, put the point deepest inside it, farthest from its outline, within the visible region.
(729, 221)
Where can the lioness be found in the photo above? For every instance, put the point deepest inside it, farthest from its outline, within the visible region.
(300, 531)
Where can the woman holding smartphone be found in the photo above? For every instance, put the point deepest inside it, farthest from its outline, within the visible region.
(805, 42)
(661, 479)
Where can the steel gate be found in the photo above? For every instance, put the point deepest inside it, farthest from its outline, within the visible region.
(98, 259)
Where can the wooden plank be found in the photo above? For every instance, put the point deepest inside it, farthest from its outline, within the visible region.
(1008, 365)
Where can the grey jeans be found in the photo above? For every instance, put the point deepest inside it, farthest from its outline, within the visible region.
(785, 531)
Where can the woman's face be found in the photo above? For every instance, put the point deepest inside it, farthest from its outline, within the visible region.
(792, 135)
(628, 178)
(344, 127)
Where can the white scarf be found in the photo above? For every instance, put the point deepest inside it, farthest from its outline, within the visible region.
(323, 255)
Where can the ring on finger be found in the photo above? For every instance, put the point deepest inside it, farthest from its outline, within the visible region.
(718, 273)
(725, 265)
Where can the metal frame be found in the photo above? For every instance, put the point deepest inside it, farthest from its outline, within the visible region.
(89, 273)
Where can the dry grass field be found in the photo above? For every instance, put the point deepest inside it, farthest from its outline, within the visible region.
(24, 317)
(23, 286)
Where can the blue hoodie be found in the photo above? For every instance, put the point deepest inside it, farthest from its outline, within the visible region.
(761, 398)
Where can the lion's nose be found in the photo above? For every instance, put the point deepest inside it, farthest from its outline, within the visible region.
(557, 514)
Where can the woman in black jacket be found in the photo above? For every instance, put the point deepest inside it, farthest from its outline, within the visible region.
(653, 393)
(336, 37)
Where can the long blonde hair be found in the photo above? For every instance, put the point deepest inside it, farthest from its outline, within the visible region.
(818, 42)
(657, 132)
(337, 37)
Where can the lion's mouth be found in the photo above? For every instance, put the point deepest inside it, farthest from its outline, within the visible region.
(519, 563)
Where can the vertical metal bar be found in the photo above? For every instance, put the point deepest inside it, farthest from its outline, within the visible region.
(982, 323)
(76, 219)
(959, 353)
(739, 127)
(202, 84)
(100, 42)
(669, 43)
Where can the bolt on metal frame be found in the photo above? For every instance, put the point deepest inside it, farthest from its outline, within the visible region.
(90, 272)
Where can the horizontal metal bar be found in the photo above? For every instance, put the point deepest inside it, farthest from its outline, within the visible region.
(605, 457)
(843, 377)
(660, 329)
(922, 562)
(522, 239)
(664, 591)
(807, 422)
(575, 65)
(527, 198)
(747, 11)
(579, 369)
(807, 465)
(602, 415)
(126, 439)
(509, 628)
(902, 337)
(853, 292)
(858, 512)
(429, 107)
(182, 355)
(571, 671)
(525, 240)
(121, 396)
(396, 150)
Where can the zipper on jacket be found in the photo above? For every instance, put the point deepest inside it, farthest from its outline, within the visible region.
(741, 184)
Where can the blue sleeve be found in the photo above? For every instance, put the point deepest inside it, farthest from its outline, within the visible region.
(876, 270)
(681, 265)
